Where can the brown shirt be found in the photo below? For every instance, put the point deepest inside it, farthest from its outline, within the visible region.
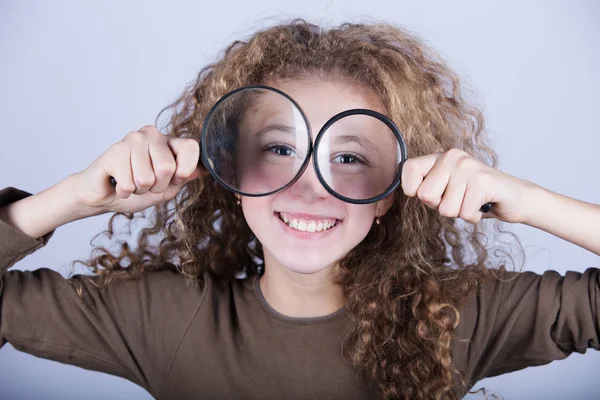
(181, 342)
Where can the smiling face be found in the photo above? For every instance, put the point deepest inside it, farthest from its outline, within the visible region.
(304, 228)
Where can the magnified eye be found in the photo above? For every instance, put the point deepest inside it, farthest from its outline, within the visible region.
(347, 159)
(280, 150)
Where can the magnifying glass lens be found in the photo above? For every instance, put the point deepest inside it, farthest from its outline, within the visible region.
(255, 141)
(359, 157)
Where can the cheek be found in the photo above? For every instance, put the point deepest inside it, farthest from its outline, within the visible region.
(256, 210)
(359, 221)
(258, 213)
(361, 215)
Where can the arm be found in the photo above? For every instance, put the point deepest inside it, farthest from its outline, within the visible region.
(527, 319)
(53, 207)
(456, 184)
(156, 177)
(130, 329)
(573, 220)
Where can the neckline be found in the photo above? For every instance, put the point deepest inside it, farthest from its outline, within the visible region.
(298, 320)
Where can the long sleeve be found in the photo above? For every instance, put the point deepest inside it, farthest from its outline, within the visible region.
(131, 329)
(527, 321)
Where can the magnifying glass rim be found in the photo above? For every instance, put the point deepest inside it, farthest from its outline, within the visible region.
(390, 124)
(204, 154)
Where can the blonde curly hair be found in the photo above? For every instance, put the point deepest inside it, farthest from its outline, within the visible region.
(405, 282)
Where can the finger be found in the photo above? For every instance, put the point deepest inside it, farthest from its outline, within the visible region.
(119, 167)
(452, 198)
(163, 163)
(186, 153)
(141, 166)
(471, 204)
(414, 171)
(198, 172)
(435, 182)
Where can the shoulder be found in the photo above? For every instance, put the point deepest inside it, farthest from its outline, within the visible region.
(164, 284)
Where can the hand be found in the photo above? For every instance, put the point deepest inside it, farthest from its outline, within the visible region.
(149, 167)
(457, 185)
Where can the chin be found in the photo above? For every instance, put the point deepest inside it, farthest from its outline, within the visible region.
(303, 262)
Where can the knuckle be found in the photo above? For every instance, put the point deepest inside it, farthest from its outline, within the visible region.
(426, 196)
(455, 153)
(408, 181)
(467, 163)
(117, 147)
(469, 217)
(182, 173)
(122, 194)
(144, 181)
(446, 210)
(193, 143)
(165, 168)
(148, 128)
(127, 187)
(193, 146)
(153, 132)
(407, 189)
(188, 141)
(409, 166)
(474, 220)
(465, 216)
(136, 136)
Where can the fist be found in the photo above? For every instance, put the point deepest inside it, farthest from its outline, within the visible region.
(457, 185)
(149, 168)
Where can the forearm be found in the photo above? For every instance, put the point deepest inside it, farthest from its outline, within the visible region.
(43, 212)
(573, 220)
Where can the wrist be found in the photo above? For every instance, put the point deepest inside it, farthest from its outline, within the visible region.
(539, 204)
(41, 213)
(71, 207)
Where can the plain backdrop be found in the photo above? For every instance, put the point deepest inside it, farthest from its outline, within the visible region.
(76, 77)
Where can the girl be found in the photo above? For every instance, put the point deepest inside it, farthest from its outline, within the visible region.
(303, 293)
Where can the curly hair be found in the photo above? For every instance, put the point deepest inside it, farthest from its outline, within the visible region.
(405, 282)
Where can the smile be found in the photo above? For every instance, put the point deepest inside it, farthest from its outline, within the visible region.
(308, 225)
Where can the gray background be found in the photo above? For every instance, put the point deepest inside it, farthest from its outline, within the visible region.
(75, 78)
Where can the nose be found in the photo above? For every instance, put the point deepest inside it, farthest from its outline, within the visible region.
(308, 187)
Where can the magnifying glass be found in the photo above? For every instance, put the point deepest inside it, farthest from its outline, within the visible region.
(256, 141)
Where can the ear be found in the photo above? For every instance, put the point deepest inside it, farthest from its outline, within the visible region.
(384, 204)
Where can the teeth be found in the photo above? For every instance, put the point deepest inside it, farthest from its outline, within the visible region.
(310, 226)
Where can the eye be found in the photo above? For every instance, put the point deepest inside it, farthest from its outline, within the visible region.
(347, 159)
(280, 150)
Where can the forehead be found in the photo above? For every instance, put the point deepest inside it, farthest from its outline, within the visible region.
(321, 99)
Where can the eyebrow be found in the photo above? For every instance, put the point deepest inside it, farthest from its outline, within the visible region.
(362, 141)
(276, 127)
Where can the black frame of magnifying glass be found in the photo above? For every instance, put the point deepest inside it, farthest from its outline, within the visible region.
(312, 149)
(390, 124)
